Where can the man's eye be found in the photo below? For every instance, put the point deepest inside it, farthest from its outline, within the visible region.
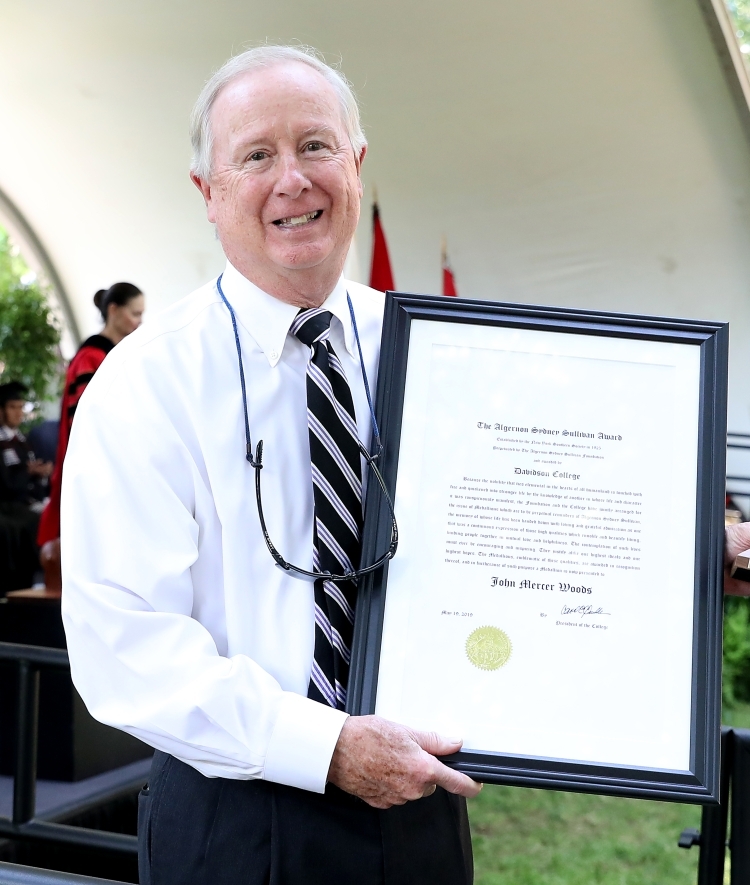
(314, 146)
(257, 155)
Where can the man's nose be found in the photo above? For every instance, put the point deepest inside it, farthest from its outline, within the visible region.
(291, 180)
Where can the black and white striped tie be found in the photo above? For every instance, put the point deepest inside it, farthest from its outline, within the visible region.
(337, 494)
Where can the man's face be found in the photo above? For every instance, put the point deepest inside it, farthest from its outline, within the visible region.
(284, 191)
(14, 413)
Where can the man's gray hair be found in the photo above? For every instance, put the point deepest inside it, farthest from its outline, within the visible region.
(201, 135)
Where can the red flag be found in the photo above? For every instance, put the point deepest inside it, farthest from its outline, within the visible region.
(381, 275)
(449, 281)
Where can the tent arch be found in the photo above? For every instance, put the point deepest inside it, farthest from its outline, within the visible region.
(33, 249)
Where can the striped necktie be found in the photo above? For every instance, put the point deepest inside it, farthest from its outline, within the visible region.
(337, 495)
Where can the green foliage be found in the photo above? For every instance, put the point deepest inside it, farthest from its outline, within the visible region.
(739, 10)
(29, 333)
(736, 675)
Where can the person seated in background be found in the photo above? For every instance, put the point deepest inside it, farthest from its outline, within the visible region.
(121, 307)
(43, 438)
(24, 476)
(23, 480)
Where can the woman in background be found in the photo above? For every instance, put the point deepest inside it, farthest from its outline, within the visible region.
(121, 307)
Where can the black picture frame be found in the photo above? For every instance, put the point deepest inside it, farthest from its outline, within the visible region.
(701, 783)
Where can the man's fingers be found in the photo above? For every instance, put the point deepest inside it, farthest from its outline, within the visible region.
(456, 782)
(737, 540)
(435, 744)
(733, 587)
(450, 780)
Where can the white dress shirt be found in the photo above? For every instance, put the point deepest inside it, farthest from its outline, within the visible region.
(181, 629)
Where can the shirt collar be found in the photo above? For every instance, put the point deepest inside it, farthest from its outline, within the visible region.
(268, 319)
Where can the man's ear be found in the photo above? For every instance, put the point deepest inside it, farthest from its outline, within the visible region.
(205, 188)
(360, 160)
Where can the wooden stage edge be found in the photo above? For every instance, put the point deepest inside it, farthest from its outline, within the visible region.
(41, 593)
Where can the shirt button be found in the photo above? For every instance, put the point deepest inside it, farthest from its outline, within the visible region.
(274, 355)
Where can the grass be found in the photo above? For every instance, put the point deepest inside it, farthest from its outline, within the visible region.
(739, 716)
(541, 837)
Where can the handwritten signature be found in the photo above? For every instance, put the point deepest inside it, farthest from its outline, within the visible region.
(583, 610)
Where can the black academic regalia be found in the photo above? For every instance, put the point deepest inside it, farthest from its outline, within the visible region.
(19, 559)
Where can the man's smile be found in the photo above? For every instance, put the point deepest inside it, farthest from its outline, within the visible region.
(295, 221)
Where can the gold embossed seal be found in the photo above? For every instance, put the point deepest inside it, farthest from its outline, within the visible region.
(488, 648)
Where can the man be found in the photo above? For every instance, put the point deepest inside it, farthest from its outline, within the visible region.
(181, 628)
(23, 483)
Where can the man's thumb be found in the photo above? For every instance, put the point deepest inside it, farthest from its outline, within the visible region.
(437, 744)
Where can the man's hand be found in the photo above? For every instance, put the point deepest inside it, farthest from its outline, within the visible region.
(737, 539)
(386, 764)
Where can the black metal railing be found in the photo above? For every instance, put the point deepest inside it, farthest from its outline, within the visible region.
(24, 824)
(732, 813)
(738, 486)
(15, 874)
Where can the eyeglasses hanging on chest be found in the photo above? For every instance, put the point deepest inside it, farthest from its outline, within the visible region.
(256, 462)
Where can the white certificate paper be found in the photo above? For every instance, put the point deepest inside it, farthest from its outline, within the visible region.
(541, 601)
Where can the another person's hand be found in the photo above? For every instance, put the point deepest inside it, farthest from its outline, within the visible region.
(40, 468)
(737, 539)
(386, 764)
(49, 557)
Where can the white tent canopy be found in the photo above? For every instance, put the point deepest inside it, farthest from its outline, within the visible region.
(578, 153)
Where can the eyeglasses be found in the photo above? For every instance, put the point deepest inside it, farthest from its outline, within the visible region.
(256, 462)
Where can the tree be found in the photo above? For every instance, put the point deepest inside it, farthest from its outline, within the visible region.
(739, 10)
(29, 331)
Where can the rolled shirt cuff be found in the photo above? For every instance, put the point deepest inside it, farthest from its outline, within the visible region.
(302, 744)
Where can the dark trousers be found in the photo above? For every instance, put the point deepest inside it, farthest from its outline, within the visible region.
(19, 557)
(194, 830)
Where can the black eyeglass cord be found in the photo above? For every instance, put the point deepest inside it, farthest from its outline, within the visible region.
(257, 462)
(376, 431)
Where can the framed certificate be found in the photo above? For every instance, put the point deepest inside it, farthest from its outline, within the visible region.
(556, 597)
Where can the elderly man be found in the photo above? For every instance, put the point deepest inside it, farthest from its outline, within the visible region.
(181, 628)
